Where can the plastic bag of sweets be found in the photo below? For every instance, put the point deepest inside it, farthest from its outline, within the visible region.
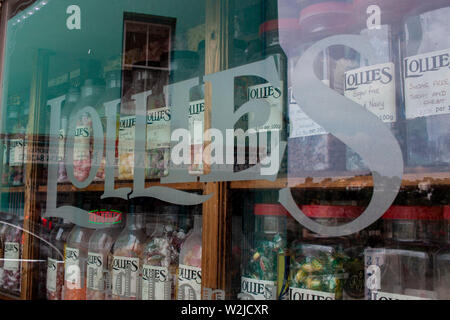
(189, 276)
(427, 84)
(12, 255)
(125, 267)
(310, 147)
(75, 265)
(83, 142)
(317, 262)
(265, 259)
(99, 254)
(55, 262)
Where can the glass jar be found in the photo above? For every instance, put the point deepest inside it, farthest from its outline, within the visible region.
(402, 269)
(189, 277)
(318, 262)
(426, 80)
(6, 220)
(55, 262)
(125, 267)
(310, 147)
(442, 262)
(75, 265)
(16, 151)
(98, 262)
(265, 261)
(13, 254)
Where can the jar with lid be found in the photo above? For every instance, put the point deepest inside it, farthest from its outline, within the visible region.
(55, 262)
(13, 255)
(189, 277)
(426, 82)
(125, 266)
(402, 269)
(99, 260)
(265, 261)
(310, 147)
(318, 261)
(442, 261)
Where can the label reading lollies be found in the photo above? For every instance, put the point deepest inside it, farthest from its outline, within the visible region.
(12, 250)
(52, 267)
(189, 283)
(272, 95)
(95, 271)
(259, 289)
(156, 283)
(305, 294)
(125, 276)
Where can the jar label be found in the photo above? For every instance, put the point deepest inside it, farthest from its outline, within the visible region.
(158, 128)
(61, 144)
(81, 149)
(189, 283)
(52, 268)
(259, 289)
(16, 152)
(272, 95)
(379, 295)
(95, 271)
(72, 270)
(126, 146)
(125, 276)
(196, 129)
(305, 294)
(373, 87)
(427, 84)
(12, 250)
(156, 283)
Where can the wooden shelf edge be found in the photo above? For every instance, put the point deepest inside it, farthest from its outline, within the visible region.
(12, 189)
(6, 296)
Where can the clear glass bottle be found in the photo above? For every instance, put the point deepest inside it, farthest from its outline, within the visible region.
(69, 105)
(13, 255)
(402, 269)
(262, 264)
(125, 267)
(189, 283)
(425, 72)
(75, 265)
(99, 261)
(55, 262)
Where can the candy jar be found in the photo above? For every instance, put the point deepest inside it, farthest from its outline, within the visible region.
(69, 105)
(16, 151)
(317, 262)
(13, 254)
(99, 256)
(442, 262)
(6, 219)
(401, 270)
(189, 284)
(83, 144)
(125, 266)
(159, 263)
(426, 82)
(46, 228)
(75, 263)
(55, 262)
(262, 264)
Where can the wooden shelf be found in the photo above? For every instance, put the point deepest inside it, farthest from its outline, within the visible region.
(99, 186)
(6, 296)
(12, 189)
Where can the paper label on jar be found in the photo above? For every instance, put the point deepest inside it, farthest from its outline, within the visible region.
(189, 283)
(52, 274)
(156, 283)
(373, 87)
(259, 289)
(305, 294)
(16, 152)
(197, 121)
(11, 253)
(427, 84)
(72, 270)
(95, 271)
(274, 96)
(61, 144)
(158, 128)
(379, 295)
(125, 276)
(126, 134)
(82, 140)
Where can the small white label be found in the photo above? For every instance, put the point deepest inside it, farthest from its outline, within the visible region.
(259, 289)
(378, 295)
(197, 121)
(72, 271)
(16, 152)
(52, 274)
(125, 276)
(156, 283)
(373, 87)
(81, 149)
(126, 146)
(95, 271)
(427, 84)
(158, 128)
(61, 144)
(189, 283)
(272, 95)
(305, 294)
(12, 250)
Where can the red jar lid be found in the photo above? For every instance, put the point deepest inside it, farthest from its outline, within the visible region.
(320, 211)
(290, 24)
(446, 210)
(264, 209)
(413, 213)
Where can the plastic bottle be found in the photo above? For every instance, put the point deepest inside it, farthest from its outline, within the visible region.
(189, 283)
(125, 268)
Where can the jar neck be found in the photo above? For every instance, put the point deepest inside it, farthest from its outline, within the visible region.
(198, 223)
(134, 221)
